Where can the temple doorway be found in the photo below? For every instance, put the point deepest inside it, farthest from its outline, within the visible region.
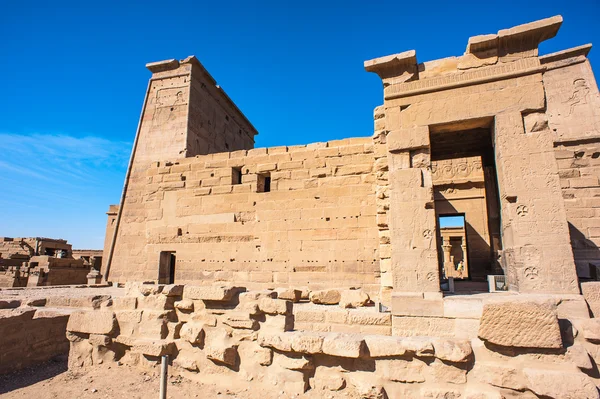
(166, 268)
(466, 203)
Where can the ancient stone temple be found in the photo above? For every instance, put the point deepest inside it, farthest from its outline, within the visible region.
(442, 257)
(499, 135)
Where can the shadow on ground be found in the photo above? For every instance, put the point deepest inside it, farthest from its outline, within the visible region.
(29, 376)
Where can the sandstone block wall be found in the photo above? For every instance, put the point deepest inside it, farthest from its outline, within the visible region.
(574, 116)
(228, 336)
(318, 223)
(30, 336)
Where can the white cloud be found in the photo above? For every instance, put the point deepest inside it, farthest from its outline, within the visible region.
(60, 159)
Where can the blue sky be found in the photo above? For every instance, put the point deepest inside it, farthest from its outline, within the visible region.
(73, 81)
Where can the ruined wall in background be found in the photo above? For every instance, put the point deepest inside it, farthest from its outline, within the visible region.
(317, 225)
(31, 337)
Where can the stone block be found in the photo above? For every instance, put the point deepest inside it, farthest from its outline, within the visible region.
(186, 305)
(275, 306)
(464, 308)
(401, 370)
(155, 302)
(124, 303)
(408, 138)
(403, 305)
(579, 356)
(325, 297)
(289, 294)
(293, 362)
(92, 322)
(560, 384)
(153, 347)
(173, 290)
(452, 350)
(210, 293)
(591, 293)
(384, 346)
(327, 379)
(447, 373)
(521, 324)
(591, 329)
(99, 340)
(307, 342)
(219, 346)
(353, 298)
(193, 333)
(503, 375)
(241, 321)
(344, 345)
(277, 340)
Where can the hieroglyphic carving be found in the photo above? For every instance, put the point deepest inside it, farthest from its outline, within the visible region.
(457, 170)
(521, 67)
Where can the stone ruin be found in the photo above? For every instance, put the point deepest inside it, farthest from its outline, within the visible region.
(323, 267)
(40, 261)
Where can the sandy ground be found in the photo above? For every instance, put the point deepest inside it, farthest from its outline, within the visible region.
(53, 380)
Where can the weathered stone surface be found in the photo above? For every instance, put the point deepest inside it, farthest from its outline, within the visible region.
(219, 346)
(591, 330)
(92, 322)
(277, 340)
(591, 293)
(328, 379)
(579, 356)
(293, 362)
(153, 347)
(289, 294)
(381, 346)
(440, 392)
(252, 353)
(353, 298)
(192, 332)
(521, 324)
(185, 305)
(400, 370)
(307, 342)
(560, 384)
(452, 350)
(173, 290)
(325, 297)
(275, 306)
(497, 374)
(482, 392)
(124, 303)
(242, 321)
(444, 372)
(210, 293)
(99, 340)
(344, 345)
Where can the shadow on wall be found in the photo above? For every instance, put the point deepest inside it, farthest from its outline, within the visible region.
(586, 254)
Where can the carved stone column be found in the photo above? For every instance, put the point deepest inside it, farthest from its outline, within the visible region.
(537, 254)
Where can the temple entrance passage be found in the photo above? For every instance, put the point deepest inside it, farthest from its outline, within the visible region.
(466, 202)
(453, 241)
(166, 268)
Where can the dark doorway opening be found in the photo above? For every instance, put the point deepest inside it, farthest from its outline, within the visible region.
(166, 268)
(466, 192)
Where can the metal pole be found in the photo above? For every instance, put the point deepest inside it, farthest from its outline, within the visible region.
(164, 368)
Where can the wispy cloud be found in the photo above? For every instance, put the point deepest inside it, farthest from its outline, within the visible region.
(60, 158)
(58, 182)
